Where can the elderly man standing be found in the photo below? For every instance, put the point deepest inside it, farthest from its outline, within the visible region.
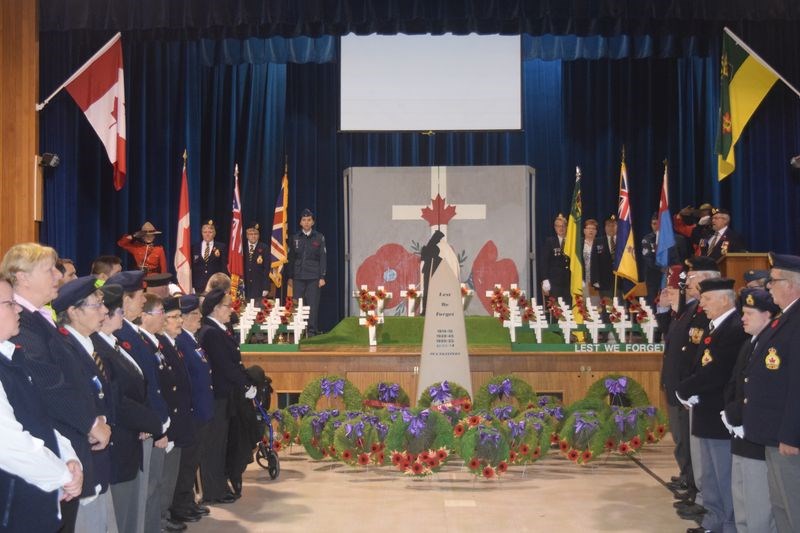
(715, 358)
(772, 393)
(723, 240)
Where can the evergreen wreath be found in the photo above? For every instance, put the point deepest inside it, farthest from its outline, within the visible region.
(584, 435)
(448, 398)
(528, 439)
(382, 394)
(420, 441)
(620, 390)
(288, 422)
(359, 441)
(316, 433)
(331, 387)
(485, 450)
(504, 389)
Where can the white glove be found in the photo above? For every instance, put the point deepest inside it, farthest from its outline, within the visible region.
(738, 431)
(251, 393)
(546, 285)
(170, 446)
(705, 221)
(165, 425)
(693, 400)
(727, 424)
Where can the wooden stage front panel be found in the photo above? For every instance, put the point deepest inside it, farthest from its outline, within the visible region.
(567, 373)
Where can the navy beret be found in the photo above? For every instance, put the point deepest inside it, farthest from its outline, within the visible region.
(189, 303)
(171, 304)
(130, 280)
(759, 299)
(158, 280)
(699, 263)
(716, 284)
(755, 275)
(784, 261)
(73, 292)
(112, 295)
(212, 299)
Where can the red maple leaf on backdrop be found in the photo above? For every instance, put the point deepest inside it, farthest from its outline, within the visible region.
(439, 215)
(488, 270)
(391, 266)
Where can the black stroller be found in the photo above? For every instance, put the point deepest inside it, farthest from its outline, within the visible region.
(266, 457)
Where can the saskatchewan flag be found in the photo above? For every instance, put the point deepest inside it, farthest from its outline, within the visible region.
(744, 81)
(573, 244)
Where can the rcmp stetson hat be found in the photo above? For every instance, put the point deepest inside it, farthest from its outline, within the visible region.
(130, 280)
(759, 299)
(716, 284)
(147, 227)
(698, 263)
(784, 261)
(73, 292)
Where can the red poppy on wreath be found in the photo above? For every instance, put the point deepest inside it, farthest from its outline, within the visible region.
(624, 448)
(380, 458)
(333, 450)
(417, 468)
(314, 441)
(707, 341)
(586, 456)
(524, 449)
(573, 455)
(324, 452)
(363, 459)
(554, 438)
(661, 430)
(287, 436)
(512, 456)
(441, 454)
(126, 345)
(374, 447)
(347, 455)
(466, 406)
(650, 437)
(261, 317)
(424, 456)
(488, 472)
(488, 270)
(277, 446)
(412, 457)
(502, 467)
(474, 420)
(433, 462)
(391, 266)
(610, 444)
(563, 445)
(474, 464)
(405, 465)
(636, 442)
(536, 453)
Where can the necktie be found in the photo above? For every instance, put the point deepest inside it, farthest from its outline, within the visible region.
(252, 249)
(713, 242)
(613, 243)
(207, 251)
(710, 327)
(99, 363)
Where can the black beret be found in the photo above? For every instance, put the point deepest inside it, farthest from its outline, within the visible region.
(784, 262)
(253, 225)
(721, 211)
(130, 280)
(72, 292)
(755, 275)
(112, 295)
(699, 263)
(654, 216)
(716, 284)
(758, 299)
(158, 280)
(189, 303)
(611, 218)
(212, 299)
(306, 213)
(171, 304)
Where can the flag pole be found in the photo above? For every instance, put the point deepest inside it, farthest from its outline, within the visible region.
(750, 51)
(78, 72)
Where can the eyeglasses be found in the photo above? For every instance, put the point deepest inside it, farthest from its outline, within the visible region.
(770, 281)
(11, 304)
(155, 312)
(171, 317)
(98, 305)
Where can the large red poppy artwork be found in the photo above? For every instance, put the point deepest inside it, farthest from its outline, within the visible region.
(391, 266)
(488, 270)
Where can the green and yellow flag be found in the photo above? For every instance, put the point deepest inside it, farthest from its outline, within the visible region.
(573, 244)
(744, 81)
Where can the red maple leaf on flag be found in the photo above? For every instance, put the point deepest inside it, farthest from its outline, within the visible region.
(440, 214)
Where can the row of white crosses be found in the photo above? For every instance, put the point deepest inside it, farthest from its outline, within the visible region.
(594, 323)
(372, 317)
(514, 316)
(413, 296)
(273, 320)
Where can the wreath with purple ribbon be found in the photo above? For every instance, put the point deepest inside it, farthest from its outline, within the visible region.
(420, 441)
(506, 389)
(382, 395)
(330, 390)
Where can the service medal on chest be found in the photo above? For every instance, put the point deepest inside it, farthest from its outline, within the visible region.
(695, 335)
(260, 260)
(772, 360)
(706, 357)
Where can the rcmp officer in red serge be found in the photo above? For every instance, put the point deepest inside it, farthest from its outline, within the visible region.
(208, 257)
(149, 257)
(307, 266)
(703, 389)
(772, 393)
(256, 265)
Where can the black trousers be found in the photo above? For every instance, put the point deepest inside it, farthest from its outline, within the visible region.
(212, 456)
(308, 290)
(183, 498)
(69, 514)
(681, 434)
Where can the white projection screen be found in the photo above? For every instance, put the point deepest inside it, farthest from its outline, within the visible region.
(430, 82)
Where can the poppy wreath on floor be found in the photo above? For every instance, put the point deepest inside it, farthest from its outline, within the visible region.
(620, 390)
(485, 450)
(504, 390)
(528, 439)
(359, 441)
(462, 426)
(420, 441)
(334, 392)
(549, 410)
(448, 398)
(288, 425)
(316, 433)
(584, 435)
(381, 395)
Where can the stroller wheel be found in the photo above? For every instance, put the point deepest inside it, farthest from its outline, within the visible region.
(274, 464)
(261, 456)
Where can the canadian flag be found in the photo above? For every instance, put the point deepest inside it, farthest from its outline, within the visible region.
(98, 88)
(183, 250)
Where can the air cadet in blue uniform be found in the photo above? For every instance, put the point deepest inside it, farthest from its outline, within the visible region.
(256, 265)
(772, 393)
(307, 266)
(208, 257)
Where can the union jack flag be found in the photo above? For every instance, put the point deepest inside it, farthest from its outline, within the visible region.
(235, 256)
(625, 254)
(280, 232)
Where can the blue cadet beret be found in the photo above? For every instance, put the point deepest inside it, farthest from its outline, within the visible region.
(73, 292)
(189, 303)
(759, 299)
(784, 261)
(306, 213)
(755, 275)
(130, 280)
(699, 263)
(716, 284)
(212, 299)
(157, 280)
(171, 304)
(112, 295)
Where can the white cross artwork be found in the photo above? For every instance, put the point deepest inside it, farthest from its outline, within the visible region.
(273, 321)
(568, 324)
(435, 213)
(624, 323)
(539, 322)
(593, 322)
(362, 321)
(648, 326)
(299, 320)
(411, 301)
(246, 321)
(379, 302)
(514, 321)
